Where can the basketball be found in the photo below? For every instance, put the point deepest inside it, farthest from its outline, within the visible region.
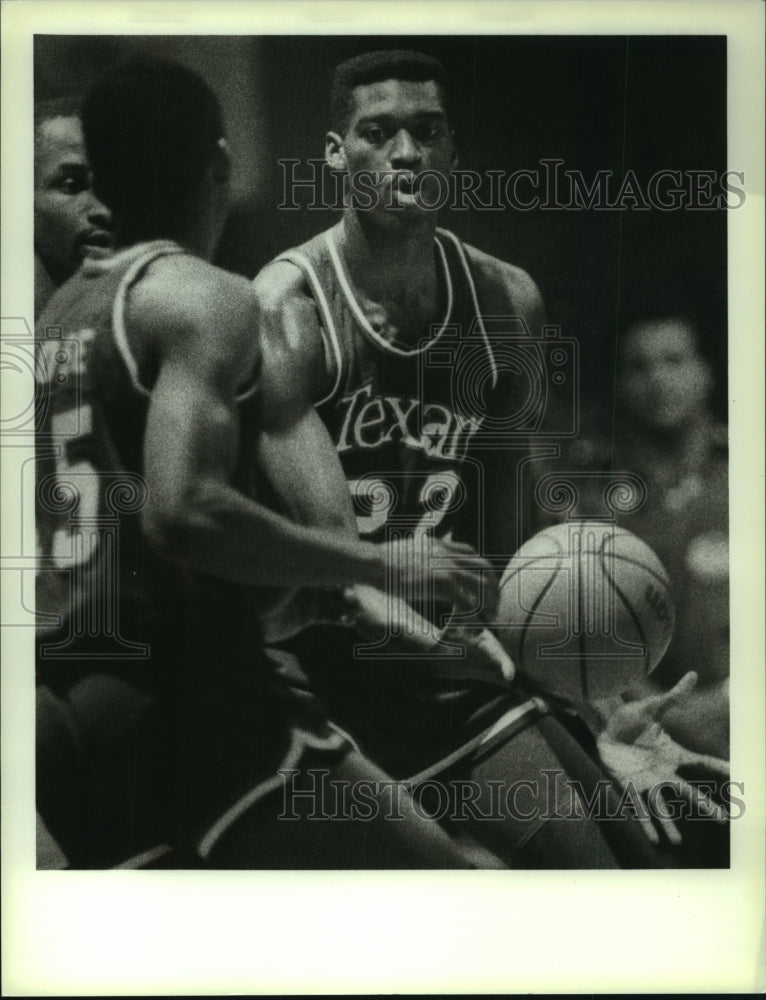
(586, 610)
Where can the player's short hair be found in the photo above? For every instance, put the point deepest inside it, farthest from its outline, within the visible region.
(372, 67)
(56, 107)
(641, 321)
(151, 128)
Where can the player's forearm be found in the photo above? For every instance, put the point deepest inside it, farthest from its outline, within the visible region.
(222, 533)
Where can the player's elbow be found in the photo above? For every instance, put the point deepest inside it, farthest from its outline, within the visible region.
(165, 532)
(173, 525)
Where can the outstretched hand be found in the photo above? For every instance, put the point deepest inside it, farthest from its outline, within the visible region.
(456, 652)
(423, 568)
(481, 657)
(636, 750)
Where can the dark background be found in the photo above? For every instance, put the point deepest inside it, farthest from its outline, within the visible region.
(599, 103)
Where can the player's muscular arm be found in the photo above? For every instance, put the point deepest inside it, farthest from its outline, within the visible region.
(205, 347)
(295, 451)
(290, 334)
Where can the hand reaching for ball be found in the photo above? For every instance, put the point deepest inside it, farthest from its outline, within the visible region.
(637, 751)
(477, 655)
(424, 569)
(481, 657)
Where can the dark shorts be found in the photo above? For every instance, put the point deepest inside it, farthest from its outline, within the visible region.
(123, 765)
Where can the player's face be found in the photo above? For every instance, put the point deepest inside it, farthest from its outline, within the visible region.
(70, 222)
(397, 130)
(665, 383)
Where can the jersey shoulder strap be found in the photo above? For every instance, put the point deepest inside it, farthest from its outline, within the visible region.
(458, 259)
(318, 272)
(135, 265)
(143, 257)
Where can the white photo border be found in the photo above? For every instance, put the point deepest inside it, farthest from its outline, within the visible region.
(116, 933)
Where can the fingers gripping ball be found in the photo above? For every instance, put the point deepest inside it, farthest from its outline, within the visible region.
(586, 610)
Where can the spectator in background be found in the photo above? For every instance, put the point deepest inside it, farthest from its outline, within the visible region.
(668, 435)
(70, 222)
(665, 433)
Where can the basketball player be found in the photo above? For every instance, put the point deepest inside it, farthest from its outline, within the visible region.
(371, 316)
(160, 716)
(70, 222)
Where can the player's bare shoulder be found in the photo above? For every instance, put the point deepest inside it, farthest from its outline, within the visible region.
(504, 289)
(183, 302)
(289, 328)
(278, 283)
(286, 304)
(190, 282)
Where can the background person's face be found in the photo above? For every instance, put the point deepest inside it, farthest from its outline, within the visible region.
(211, 205)
(399, 129)
(664, 382)
(70, 222)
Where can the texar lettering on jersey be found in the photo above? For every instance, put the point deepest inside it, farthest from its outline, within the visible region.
(372, 421)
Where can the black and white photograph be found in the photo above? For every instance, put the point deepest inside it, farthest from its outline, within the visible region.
(382, 478)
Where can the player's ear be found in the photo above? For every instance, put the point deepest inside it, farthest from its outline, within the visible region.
(334, 152)
(222, 162)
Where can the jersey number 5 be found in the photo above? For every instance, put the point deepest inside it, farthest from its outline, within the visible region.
(70, 498)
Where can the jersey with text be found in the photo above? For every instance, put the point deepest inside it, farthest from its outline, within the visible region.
(403, 417)
(102, 592)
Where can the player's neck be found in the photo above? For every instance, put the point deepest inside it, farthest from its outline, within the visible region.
(387, 261)
(188, 234)
(45, 286)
